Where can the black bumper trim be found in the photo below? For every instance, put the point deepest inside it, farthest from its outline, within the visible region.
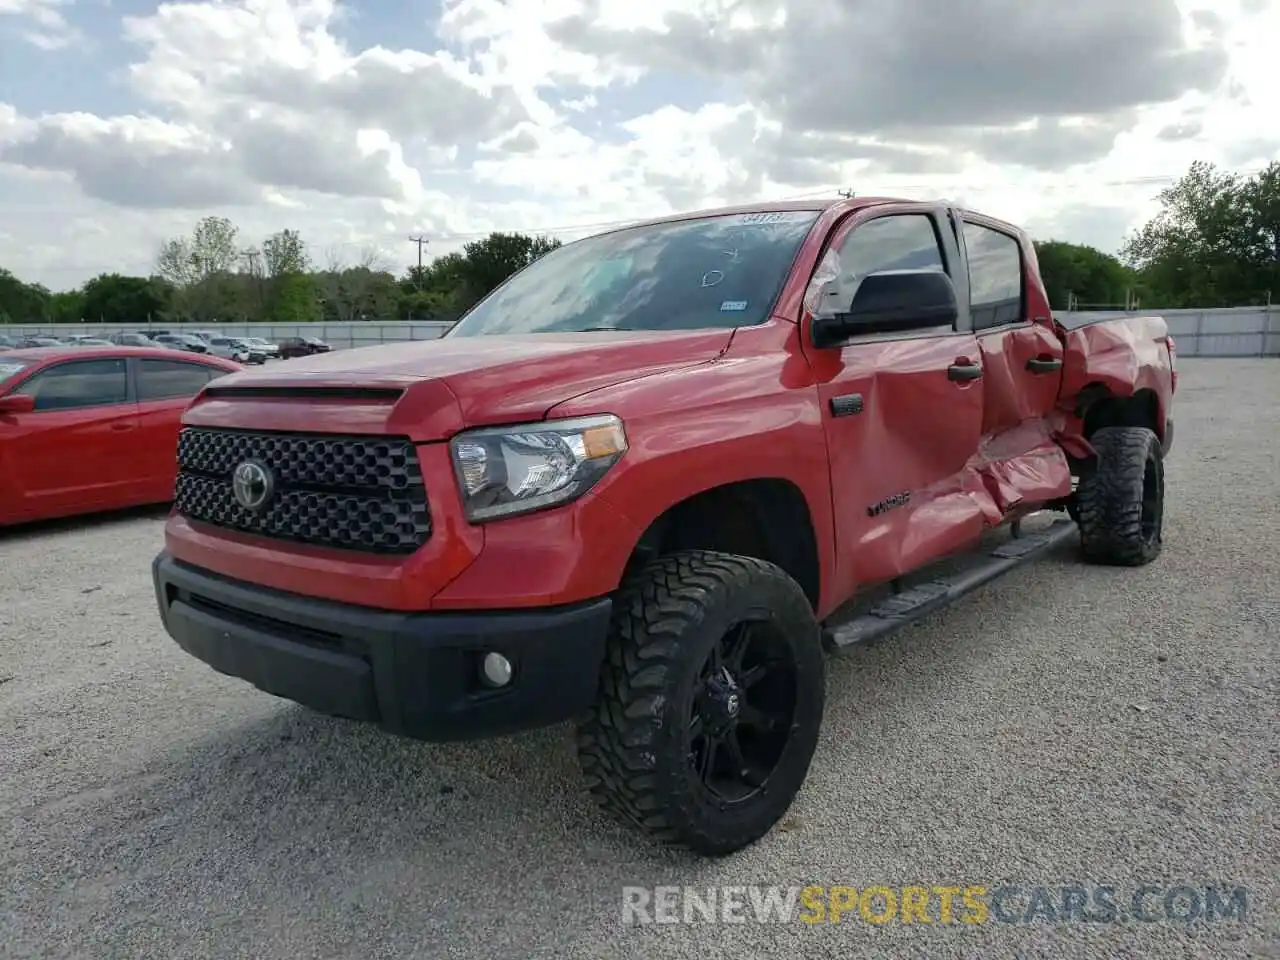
(415, 674)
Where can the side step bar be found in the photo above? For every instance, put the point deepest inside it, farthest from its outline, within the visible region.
(917, 602)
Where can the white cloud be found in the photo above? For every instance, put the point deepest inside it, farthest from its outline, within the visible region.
(530, 114)
(40, 22)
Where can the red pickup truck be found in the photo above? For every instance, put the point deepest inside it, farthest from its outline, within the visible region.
(647, 482)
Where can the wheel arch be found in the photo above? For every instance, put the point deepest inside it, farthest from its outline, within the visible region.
(1098, 407)
(767, 518)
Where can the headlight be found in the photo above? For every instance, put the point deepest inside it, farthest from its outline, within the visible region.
(508, 470)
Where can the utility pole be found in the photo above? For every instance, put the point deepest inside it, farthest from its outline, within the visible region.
(421, 242)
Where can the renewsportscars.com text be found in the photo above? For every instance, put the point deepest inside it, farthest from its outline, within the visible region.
(940, 904)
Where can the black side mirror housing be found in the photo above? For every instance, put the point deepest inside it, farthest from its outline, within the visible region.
(892, 301)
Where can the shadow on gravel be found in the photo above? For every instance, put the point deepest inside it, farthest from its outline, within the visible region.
(39, 529)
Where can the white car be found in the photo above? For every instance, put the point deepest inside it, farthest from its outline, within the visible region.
(266, 346)
(230, 348)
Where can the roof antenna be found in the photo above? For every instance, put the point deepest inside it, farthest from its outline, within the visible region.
(847, 194)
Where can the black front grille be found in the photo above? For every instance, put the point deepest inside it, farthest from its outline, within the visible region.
(359, 493)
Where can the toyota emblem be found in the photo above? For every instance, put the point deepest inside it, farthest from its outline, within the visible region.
(252, 485)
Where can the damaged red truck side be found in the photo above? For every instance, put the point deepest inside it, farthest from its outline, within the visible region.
(651, 479)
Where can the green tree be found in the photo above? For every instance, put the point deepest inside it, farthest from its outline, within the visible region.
(67, 306)
(123, 301)
(1215, 241)
(201, 269)
(434, 291)
(1093, 277)
(22, 302)
(290, 290)
(294, 299)
(284, 254)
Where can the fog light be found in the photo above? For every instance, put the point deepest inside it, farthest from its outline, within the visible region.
(497, 670)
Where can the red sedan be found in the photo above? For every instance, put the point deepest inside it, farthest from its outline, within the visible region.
(84, 429)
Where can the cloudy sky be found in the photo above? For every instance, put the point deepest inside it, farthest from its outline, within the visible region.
(123, 122)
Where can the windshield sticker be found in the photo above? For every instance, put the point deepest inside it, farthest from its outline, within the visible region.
(775, 216)
(733, 305)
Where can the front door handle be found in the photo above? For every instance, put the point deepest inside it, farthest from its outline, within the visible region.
(121, 427)
(1044, 364)
(964, 371)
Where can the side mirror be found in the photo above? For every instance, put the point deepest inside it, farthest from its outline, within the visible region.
(892, 301)
(17, 403)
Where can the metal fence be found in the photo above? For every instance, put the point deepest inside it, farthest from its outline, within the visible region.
(1228, 332)
(1217, 332)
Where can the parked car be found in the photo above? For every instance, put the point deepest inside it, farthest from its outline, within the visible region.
(302, 347)
(181, 341)
(84, 429)
(234, 348)
(205, 335)
(652, 505)
(29, 342)
(8, 342)
(265, 346)
(257, 353)
(86, 340)
(132, 340)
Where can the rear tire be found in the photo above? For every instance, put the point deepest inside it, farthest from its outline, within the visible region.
(1120, 506)
(710, 704)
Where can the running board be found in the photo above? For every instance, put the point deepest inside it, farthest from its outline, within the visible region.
(917, 602)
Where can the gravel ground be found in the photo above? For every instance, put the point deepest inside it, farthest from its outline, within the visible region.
(1067, 725)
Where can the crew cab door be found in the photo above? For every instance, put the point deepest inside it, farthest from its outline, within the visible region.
(77, 448)
(903, 410)
(1022, 359)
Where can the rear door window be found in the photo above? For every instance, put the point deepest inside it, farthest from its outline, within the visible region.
(995, 276)
(168, 379)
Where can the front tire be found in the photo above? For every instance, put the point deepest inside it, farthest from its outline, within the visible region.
(711, 701)
(1120, 506)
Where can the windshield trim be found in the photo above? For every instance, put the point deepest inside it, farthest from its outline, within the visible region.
(814, 214)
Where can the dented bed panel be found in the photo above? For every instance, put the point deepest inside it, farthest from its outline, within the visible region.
(1125, 355)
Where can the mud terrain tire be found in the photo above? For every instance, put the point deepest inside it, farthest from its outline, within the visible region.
(662, 701)
(1120, 506)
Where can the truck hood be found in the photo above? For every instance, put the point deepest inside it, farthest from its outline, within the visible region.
(433, 388)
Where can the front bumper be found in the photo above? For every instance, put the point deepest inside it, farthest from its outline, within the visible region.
(415, 674)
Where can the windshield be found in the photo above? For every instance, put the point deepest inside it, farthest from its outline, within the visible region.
(723, 271)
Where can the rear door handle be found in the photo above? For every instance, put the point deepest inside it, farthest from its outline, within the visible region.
(1044, 364)
(964, 371)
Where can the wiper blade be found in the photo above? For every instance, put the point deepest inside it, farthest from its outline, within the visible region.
(596, 329)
